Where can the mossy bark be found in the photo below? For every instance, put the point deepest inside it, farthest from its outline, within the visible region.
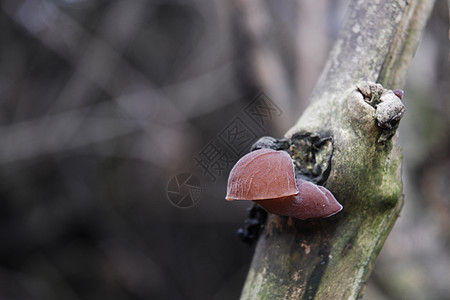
(332, 258)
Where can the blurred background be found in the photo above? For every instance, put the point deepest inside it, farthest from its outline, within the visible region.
(119, 121)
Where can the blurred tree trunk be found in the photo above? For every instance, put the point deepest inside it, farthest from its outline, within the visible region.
(332, 258)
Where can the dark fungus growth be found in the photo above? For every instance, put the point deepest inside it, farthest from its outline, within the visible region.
(268, 142)
(253, 225)
(312, 155)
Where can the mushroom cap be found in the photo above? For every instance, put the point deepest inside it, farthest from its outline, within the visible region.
(318, 202)
(313, 201)
(262, 174)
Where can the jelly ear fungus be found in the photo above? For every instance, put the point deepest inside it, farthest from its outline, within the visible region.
(267, 177)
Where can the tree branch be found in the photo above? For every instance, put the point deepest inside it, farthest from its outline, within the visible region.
(332, 258)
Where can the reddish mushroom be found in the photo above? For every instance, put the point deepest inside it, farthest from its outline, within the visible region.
(267, 177)
(262, 174)
(313, 201)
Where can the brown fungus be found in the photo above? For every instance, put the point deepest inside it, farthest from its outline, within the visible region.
(262, 174)
(313, 201)
(267, 177)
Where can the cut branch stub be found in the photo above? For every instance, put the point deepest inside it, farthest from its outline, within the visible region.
(388, 104)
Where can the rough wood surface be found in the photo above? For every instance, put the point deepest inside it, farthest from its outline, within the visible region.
(332, 258)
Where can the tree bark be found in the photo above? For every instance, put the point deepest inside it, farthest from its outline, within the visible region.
(332, 258)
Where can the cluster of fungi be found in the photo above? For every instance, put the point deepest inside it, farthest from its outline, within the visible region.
(267, 177)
